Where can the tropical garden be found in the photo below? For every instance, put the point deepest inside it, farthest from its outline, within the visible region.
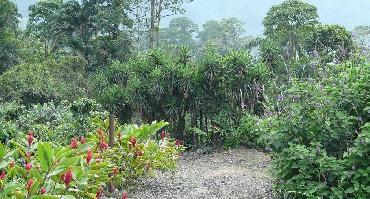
(95, 94)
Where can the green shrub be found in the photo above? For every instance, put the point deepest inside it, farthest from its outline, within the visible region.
(51, 121)
(321, 143)
(30, 168)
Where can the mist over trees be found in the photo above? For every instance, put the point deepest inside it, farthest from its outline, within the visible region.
(300, 91)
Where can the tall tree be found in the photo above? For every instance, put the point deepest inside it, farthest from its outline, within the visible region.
(8, 33)
(181, 31)
(225, 34)
(289, 24)
(95, 29)
(149, 14)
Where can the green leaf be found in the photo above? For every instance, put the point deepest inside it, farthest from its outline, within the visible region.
(2, 150)
(45, 155)
(45, 196)
(69, 161)
(56, 171)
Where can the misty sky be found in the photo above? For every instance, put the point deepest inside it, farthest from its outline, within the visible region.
(350, 13)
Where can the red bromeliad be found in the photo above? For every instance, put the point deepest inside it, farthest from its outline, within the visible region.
(67, 179)
(28, 167)
(89, 156)
(30, 138)
(74, 143)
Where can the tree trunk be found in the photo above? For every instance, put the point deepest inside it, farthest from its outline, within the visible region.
(111, 145)
(111, 130)
(152, 24)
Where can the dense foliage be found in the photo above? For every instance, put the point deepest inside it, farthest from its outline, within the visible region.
(80, 69)
(35, 169)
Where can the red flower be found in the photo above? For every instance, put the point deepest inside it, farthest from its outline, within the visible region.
(11, 164)
(28, 167)
(67, 179)
(74, 143)
(99, 193)
(162, 135)
(29, 185)
(30, 138)
(2, 175)
(124, 195)
(103, 145)
(83, 140)
(89, 156)
(133, 141)
(43, 190)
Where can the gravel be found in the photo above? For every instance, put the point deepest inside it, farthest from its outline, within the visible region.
(231, 174)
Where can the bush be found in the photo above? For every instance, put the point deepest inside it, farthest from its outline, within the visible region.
(51, 121)
(322, 137)
(33, 169)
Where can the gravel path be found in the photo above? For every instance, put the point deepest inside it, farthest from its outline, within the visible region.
(232, 174)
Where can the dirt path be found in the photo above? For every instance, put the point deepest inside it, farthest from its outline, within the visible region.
(237, 173)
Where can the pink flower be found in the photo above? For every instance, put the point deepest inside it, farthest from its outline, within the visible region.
(30, 138)
(89, 156)
(124, 195)
(67, 179)
(29, 185)
(133, 141)
(28, 167)
(99, 193)
(83, 140)
(162, 135)
(43, 190)
(74, 143)
(103, 145)
(2, 175)
(28, 154)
